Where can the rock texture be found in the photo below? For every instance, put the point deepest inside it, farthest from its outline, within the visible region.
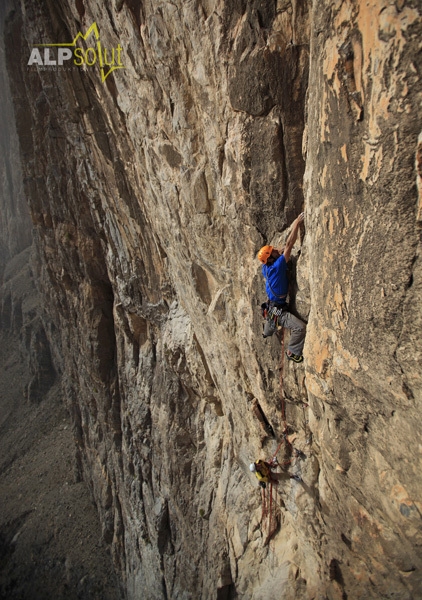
(150, 194)
(363, 349)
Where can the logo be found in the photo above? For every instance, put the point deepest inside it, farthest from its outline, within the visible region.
(107, 60)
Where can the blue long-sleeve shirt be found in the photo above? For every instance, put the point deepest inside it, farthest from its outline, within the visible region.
(276, 282)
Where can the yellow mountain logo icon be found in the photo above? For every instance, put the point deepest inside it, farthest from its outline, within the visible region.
(108, 60)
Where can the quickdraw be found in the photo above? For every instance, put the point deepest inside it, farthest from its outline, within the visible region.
(271, 314)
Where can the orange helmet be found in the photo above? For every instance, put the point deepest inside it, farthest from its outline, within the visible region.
(265, 253)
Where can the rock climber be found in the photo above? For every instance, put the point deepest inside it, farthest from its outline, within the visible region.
(264, 474)
(274, 269)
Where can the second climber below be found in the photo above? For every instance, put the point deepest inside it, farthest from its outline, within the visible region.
(264, 474)
(274, 269)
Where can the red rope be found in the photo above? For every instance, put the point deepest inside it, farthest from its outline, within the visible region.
(275, 453)
(283, 406)
(283, 414)
(271, 508)
(265, 510)
(264, 504)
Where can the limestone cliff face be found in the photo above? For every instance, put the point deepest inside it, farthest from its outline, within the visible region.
(150, 194)
(363, 349)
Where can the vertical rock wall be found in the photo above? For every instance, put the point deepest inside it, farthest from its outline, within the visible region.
(150, 194)
(363, 346)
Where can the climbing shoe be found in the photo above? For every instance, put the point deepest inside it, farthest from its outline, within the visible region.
(296, 477)
(297, 358)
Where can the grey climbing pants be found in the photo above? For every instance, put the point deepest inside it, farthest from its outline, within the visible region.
(297, 331)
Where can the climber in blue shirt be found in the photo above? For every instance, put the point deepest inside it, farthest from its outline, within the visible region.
(274, 270)
(275, 274)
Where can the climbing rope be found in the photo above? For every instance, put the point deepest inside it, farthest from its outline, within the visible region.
(267, 503)
(264, 504)
(272, 459)
(271, 508)
(283, 404)
(269, 522)
(283, 407)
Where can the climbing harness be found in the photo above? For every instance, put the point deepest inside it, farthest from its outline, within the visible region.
(271, 313)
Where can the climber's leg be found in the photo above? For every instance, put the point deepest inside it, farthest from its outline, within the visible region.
(297, 333)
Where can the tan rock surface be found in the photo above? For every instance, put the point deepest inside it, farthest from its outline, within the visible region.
(150, 195)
